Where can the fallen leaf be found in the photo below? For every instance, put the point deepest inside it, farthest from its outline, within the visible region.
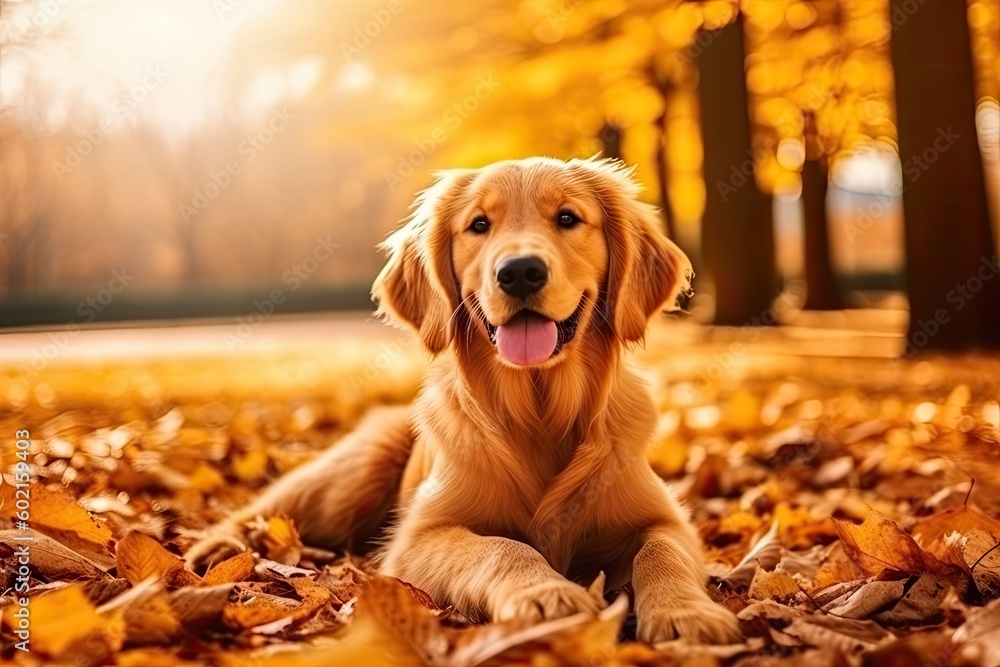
(838, 634)
(197, 607)
(64, 622)
(278, 538)
(237, 568)
(775, 585)
(879, 543)
(269, 569)
(982, 628)
(933, 532)
(259, 604)
(868, 599)
(57, 514)
(49, 557)
(139, 556)
(921, 605)
(765, 553)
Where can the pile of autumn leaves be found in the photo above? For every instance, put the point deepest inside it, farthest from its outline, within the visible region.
(837, 528)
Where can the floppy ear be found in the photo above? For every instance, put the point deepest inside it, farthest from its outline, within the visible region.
(646, 271)
(417, 287)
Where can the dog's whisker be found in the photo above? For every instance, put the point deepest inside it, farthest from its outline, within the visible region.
(458, 308)
(600, 311)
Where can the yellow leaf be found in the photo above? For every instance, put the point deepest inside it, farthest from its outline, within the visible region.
(61, 620)
(775, 585)
(879, 543)
(281, 541)
(237, 568)
(139, 556)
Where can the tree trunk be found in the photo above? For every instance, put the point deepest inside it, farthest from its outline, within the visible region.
(611, 141)
(951, 271)
(821, 285)
(659, 80)
(663, 178)
(737, 230)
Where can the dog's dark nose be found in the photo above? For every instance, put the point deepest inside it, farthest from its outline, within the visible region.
(522, 276)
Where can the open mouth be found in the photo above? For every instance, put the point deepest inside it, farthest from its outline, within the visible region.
(527, 338)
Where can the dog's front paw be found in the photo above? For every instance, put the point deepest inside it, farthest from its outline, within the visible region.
(697, 620)
(553, 598)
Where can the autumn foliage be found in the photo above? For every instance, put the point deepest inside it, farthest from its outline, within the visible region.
(835, 497)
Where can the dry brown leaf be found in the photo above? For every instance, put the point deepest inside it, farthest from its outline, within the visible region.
(197, 607)
(933, 532)
(836, 568)
(983, 628)
(57, 514)
(981, 556)
(281, 541)
(151, 619)
(49, 557)
(879, 543)
(838, 634)
(260, 603)
(920, 606)
(254, 606)
(270, 570)
(765, 553)
(237, 568)
(775, 585)
(145, 612)
(799, 528)
(390, 609)
(574, 640)
(344, 579)
(64, 622)
(140, 556)
(868, 600)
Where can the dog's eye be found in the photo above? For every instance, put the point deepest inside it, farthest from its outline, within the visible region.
(480, 225)
(567, 219)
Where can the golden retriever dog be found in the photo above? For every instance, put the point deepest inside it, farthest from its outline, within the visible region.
(519, 473)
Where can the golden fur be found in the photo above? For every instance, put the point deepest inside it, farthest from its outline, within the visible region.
(515, 483)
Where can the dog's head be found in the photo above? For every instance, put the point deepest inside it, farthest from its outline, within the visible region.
(531, 255)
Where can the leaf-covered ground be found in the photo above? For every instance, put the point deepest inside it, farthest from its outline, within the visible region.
(849, 506)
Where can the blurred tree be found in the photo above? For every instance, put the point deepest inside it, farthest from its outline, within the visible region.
(611, 141)
(29, 213)
(821, 285)
(952, 280)
(663, 85)
(737, 231)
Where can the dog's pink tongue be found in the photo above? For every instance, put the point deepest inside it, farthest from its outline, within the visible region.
(527, 339)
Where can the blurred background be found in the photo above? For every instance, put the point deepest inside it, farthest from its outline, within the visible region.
(164, 159)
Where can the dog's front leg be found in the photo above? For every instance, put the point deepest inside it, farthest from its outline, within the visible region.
(340, 496)
(502, 578)
(670, 596)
